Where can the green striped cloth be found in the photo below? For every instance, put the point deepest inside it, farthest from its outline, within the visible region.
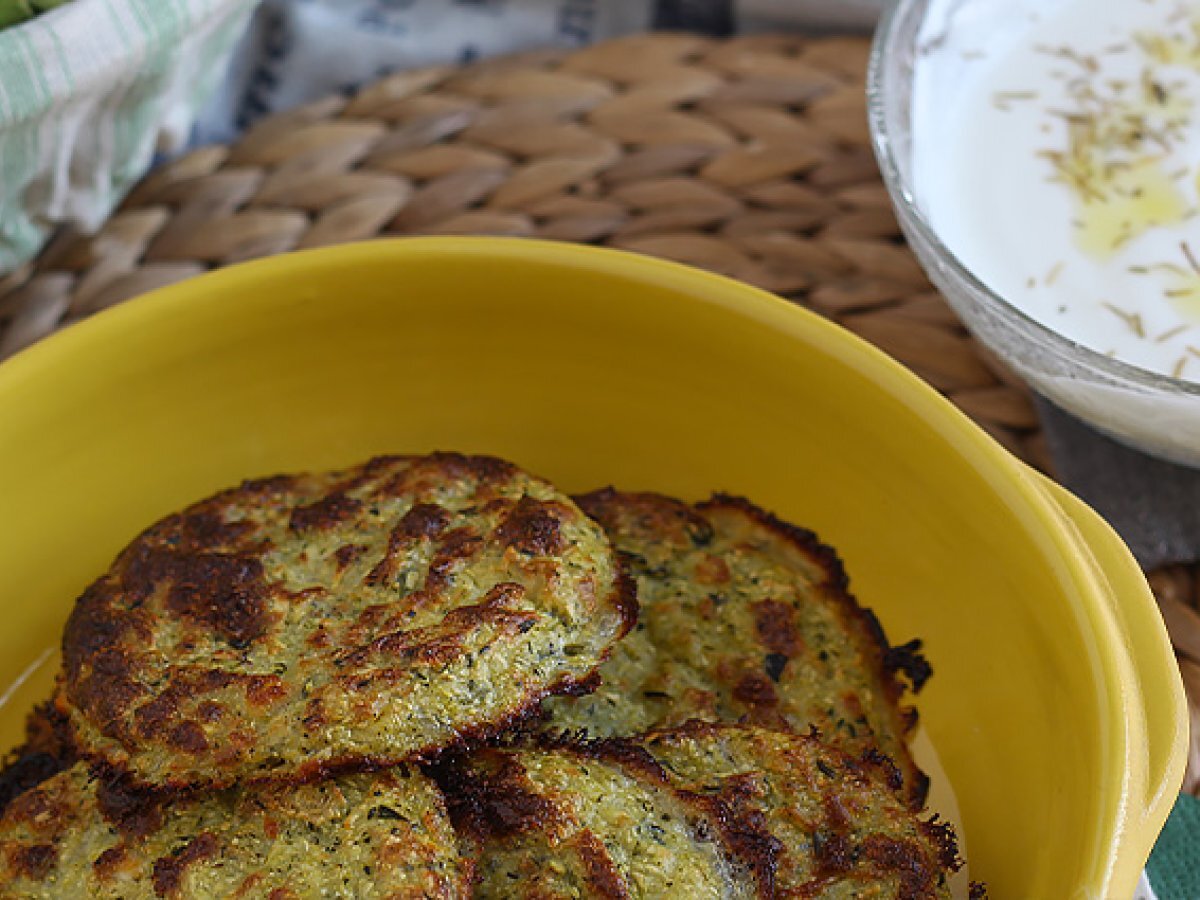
(88, 92)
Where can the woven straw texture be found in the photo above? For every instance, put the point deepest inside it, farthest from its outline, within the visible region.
(747, 156)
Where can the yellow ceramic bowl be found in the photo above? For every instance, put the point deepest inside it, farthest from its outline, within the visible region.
(1055, 705)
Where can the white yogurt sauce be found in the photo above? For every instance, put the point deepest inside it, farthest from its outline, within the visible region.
(1057, 153)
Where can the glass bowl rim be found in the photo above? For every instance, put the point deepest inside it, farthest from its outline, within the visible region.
(902, 194)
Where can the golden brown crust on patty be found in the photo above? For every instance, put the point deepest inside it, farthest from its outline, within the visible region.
(702, 810)
(744, 617)
(567, 820)
(841, 832)
(85, 834)
(45, 753)
(298, 624)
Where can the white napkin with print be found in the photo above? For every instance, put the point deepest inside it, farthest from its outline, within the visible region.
(296, 50)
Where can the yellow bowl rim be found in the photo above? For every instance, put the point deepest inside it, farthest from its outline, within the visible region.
(1018, 487)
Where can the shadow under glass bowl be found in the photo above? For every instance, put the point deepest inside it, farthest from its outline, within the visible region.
(1154, 413)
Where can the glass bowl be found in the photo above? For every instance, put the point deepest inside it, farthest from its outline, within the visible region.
(1154, 413)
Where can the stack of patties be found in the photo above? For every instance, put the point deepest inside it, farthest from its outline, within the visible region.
(323, 686)
(248, 686)
(747, 738)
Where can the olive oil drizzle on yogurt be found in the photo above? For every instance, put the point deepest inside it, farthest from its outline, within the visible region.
(1083, 120)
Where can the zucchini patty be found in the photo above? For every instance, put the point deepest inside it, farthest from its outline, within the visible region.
(744, 617)
(703, 811)
(583, 821)
(842, 833)
(377, 835)
(308, 623)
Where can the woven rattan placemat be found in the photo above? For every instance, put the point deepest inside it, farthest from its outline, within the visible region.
(747, 156)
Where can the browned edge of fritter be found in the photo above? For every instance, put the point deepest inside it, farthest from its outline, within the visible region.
(887, 662)
(130, 811)
(94, 635)
(504, 805)
(529, 710)
(46, 751)
(465, 739)
(830, 855)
